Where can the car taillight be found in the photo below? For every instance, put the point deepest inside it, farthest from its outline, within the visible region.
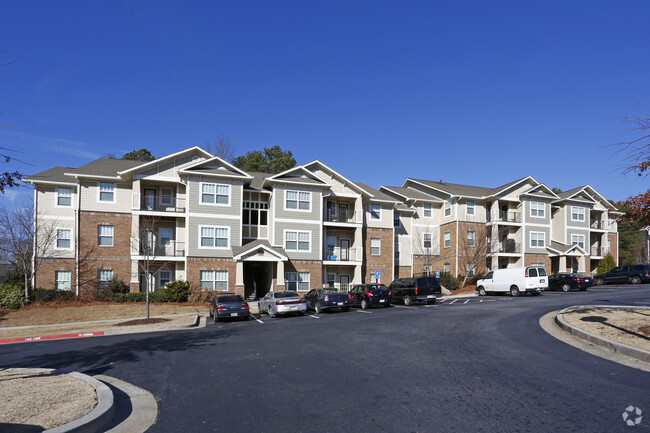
(221, 308)
(350, 297)
(368, 294)
(327, 298)
(244, 307)
(390, 293)
(279, 302)
(526, 273)
(416, 290)
(576, 279)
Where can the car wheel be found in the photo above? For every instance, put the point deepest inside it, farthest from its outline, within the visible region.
(364, 304)
(210, 312)
(599, 281)
(566, 287)
(271, 313)
(408, 301)
(345, 309)
(514, 291)
(481, 291)
(216, 318)
(318, 308)
(635, 280)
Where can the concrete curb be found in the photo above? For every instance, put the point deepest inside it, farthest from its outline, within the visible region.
(614, 346)
(97, 418)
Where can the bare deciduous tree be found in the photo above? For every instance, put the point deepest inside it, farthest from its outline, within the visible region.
(472, 250)
(425, 244)
(221, 147)
(25, 244)
(637, 150)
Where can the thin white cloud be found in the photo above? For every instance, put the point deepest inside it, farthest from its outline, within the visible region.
(25, 142)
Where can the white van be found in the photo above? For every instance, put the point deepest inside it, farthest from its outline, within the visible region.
(531, 279)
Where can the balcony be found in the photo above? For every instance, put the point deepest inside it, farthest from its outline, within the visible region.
(508, 247)
(170, 249)
(338, 254)
(158, 204)
(505, 217)
(342, 216)
(599, 251)
(599, 224)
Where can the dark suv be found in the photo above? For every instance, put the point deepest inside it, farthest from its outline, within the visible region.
(633, 274)
(418, 289)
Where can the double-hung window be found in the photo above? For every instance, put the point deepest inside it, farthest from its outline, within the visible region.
(577, 213)
(396, 222)
(427, 240)
(214, 280)
(64, 197)
(578, 240)
(63, 280)
(375, 211)
(63, 240)
(166, 196)
(537, 239)
(105, 236)
(426, 211)
(447, 239)
(375, 247)
(214, 193)
(107, 192)
(471, 238)
(447, 208)
(297, 241)
(537, 209)
(295, 281)
(471, 205)
(214, 237)
(165, 277)
(104, 277)
(300, 200)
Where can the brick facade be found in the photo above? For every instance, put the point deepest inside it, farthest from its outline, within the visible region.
(613, 245)
(538, 258)
(45, 276)
(383, 262)
(197, 264)
(314, 267)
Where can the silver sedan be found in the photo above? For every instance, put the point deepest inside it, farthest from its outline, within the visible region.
(284, 302)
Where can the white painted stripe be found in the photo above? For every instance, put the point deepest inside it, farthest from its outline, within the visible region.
(404, 306)
(481, 300)
(466, 302)
(256, 319)
(453, 301)
(363, 311)
(314, 316)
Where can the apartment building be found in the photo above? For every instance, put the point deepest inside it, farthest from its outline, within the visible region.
(462, 229)
(192, 216)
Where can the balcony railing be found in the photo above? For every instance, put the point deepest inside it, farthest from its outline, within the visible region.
(506, 248)
(505, 216)
(338, 254)
(600, 224)
(158, 204)
(343, 216)
(599, 251)
(170, 249)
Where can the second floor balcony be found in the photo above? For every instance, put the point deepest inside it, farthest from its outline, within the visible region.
(599, 251)
(507, 247)
(599, 224)
(338, 254)
(156, 203)
(168, 249)
(343, 216)
(509, 216)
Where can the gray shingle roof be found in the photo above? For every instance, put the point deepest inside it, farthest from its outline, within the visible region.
(257, 181)
(411, 194)
(378, 195)
(54, 174)
(105, 167)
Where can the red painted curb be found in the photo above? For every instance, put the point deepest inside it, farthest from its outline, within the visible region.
(53, 337)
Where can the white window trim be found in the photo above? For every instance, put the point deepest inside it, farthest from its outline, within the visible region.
(297, 250)
(171, 278)
(57, 238)
(99, 191)
(537, 209)
(214, 279)
(473, 238)
(202, 203)
(297, 209)
(445, 207)
(573, 236)
(296, 281)
(424, 210)
(112, 236)
(56, 197)
(202, 226)
(472, 207)
(370, 212)
(583, 213)
(444, 240)
(171, 196)
(430, 240)
(69, 280)
(543, 238)
(371, 247)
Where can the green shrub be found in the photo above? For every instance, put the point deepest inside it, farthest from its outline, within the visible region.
(118, 286)
(50, 295)
(12, 296)
(176, 291)
(448, 281)
(139, 297)
(606, 263)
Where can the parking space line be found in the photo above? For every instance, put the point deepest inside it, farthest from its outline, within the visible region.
(314, 316)
(363, 311)
(453, 301)
(404, 306)
(466, 302)
(256, 318)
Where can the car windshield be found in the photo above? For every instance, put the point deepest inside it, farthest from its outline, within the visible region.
(229, 298)
(286, 295)
(377, 287)
(329, 291)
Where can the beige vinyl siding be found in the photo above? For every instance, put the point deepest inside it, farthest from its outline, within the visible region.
(576, 223)
(90, 197)
(534, 219)
(386, 216)
(47, 198)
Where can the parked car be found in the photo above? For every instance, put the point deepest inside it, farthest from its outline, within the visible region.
(369, 295)
(529, 279)
(565, 281)
(320, 300)
(284, 302)
(418, 289)
(633, 274)
(230, 306)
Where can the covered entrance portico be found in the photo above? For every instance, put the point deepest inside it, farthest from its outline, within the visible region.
(567, 258)
(260, 269)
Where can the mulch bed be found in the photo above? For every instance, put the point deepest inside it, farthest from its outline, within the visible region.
(142, 322)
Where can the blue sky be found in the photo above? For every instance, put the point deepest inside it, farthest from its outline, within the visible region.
(472, 92)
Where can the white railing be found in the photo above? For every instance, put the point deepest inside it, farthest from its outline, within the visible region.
(343, 216)
(157, 203)
(338, 254)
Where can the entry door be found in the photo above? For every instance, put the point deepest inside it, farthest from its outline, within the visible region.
(343, 212)
(150, 199)
(345, 283)
(345, 249)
